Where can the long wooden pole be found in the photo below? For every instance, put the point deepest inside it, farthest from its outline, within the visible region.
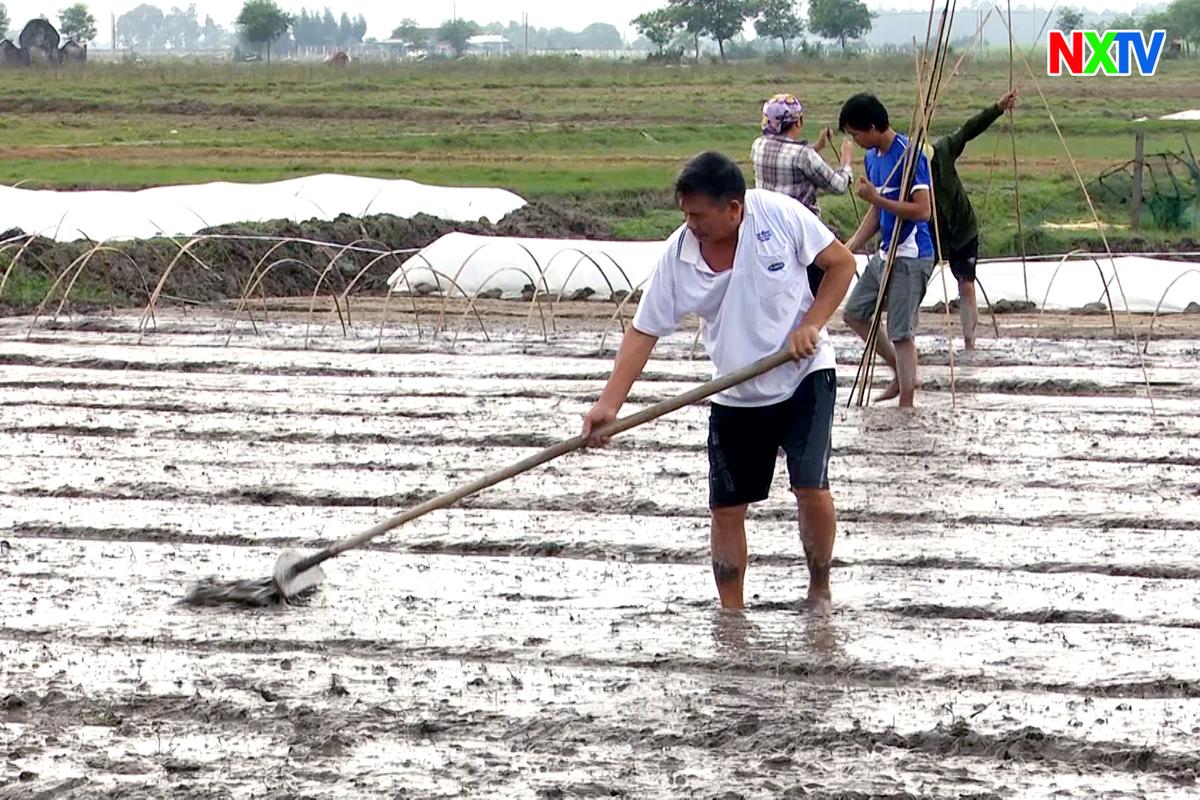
(1099, 228)
(564, 447)
(1012, 130)
(922, 113)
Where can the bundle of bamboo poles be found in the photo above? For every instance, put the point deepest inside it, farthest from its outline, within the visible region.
(930, 70)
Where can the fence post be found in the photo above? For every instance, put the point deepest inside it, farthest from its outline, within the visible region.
(1138, 160)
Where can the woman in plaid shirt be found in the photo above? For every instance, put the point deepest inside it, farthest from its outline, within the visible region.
(785, 163)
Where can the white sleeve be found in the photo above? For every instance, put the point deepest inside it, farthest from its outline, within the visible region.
(659, 312)
(811, 235)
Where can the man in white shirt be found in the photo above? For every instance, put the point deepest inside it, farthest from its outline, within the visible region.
(738, 262)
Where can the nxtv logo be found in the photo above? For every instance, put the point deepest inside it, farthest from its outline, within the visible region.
(1110, 53)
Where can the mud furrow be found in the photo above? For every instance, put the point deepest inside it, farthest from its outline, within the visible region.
(53, 461)
(1093, 381)
(966, 594)
(630, 552)
(603, 613)
(558, 414)
(1030, 412)
(856, 507)
(1143, 552)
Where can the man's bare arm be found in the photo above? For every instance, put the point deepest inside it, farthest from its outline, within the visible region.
(917, 208)
(631, 360)
(868, 227)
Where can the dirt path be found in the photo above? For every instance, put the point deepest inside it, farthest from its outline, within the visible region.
(1018, 619)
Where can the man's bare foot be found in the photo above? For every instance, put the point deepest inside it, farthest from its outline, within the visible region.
(890, 393)
(818, 605)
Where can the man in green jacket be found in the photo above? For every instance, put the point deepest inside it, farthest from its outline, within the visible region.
(957, 235)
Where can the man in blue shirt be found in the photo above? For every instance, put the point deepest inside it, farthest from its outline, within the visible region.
(901, 221)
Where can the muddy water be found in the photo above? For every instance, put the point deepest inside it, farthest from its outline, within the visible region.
(1016, 577)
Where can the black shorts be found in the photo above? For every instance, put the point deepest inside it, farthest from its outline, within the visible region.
(743, 443)
(962, 260)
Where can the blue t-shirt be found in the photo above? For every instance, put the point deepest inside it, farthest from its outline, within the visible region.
(914, 238)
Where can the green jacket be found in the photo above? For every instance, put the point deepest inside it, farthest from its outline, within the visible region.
(956, 221)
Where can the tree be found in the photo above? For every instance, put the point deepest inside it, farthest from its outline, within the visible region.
(719, 19)
(76, 22)
(777, 19)
(456, 33)
(262, 22)
(213, 33)
(1156, 21)
(408, 32)
(329, 28)
(839, 19)
(139, 27)
(659, 26)
(600, 36)
(689, 15)
(1184, 18)
(345, 29)
(1069, 19)
(4, 21)
(181, 28)
(302, 31)
(723, 19)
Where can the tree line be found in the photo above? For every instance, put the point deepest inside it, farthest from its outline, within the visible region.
(680, 24)
(722, 20)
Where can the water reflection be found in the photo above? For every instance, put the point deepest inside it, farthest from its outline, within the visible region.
(734, 632)
(770, 633)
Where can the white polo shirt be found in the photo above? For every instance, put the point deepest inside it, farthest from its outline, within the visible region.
(748, 311)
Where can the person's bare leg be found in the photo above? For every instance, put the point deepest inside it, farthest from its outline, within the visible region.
(884, 348)
(818, 529)
(729, 554)
(968, 310)
(906, 370)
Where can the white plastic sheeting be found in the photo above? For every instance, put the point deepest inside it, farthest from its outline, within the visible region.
(464, 264)
(1192, 115)
(183, 210)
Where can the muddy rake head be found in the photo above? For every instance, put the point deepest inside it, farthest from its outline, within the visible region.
(287, 585)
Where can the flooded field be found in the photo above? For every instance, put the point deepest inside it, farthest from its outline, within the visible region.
(1017, 591)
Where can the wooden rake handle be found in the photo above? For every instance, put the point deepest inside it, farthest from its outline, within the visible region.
(549, 454)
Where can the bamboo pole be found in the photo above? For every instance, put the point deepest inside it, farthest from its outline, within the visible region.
(1100, 228)
(1012, 130)
(922, 113)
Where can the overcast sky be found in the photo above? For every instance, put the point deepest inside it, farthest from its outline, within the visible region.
(383, 15)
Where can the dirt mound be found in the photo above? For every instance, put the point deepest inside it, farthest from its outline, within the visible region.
(1136, 244)
(555, 219)
(220, 269)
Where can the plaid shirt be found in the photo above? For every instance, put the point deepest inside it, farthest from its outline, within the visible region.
(795, 169)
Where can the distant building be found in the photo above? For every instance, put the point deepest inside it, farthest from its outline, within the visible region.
(72, 53)
(488, 44)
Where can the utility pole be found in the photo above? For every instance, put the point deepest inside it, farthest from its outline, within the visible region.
(525, 19)
(113, 17)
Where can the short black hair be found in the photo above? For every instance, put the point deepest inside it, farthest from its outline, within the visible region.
(863, 112)
(713, 175)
